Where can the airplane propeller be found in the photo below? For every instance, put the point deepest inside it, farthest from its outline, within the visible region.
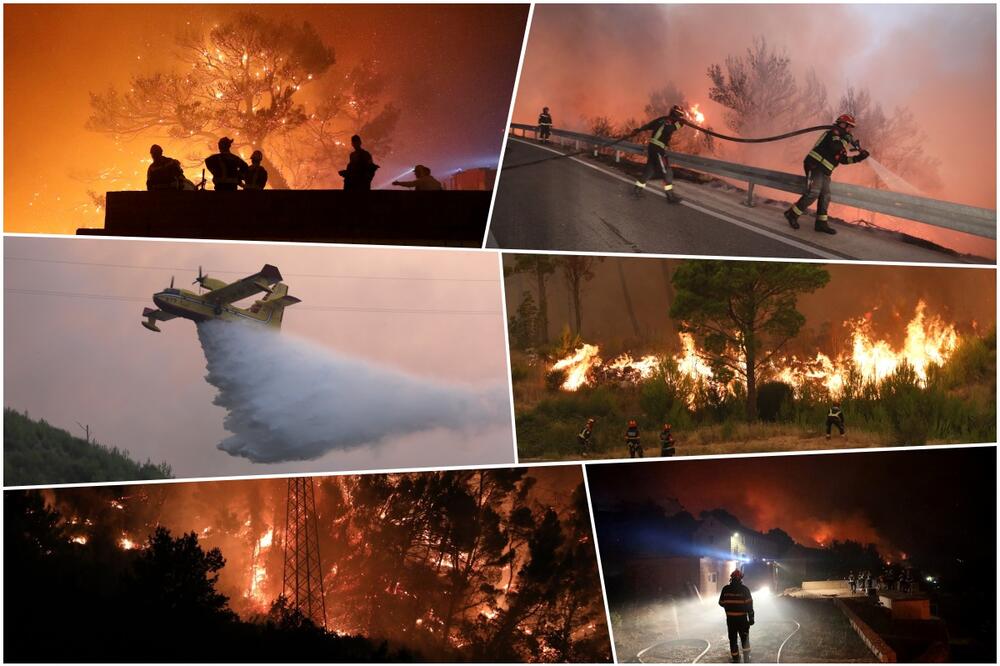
(171, 281)
(200, 280)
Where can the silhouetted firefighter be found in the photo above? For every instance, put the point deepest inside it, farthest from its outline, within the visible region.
(835, 417)
(632, 440)
(164, 173)
(657, 164)
(424, 181)
(360, 168)
(738, 603)
(227, 169)
(544, 125)
(255, 177)
(829, 151)
(585, 439)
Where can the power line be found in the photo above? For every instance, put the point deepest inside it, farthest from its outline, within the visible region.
(295, 275)
(318, 308)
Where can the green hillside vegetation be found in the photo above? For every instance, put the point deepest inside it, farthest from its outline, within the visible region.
(957, 405)
(38, 453)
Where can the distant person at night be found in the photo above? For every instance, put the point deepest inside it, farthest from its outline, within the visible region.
(835, 417)
(360, 168)
(738, 604)
(667, 449)
(544, 125)
(852, 583)
(632, 440)
(586, 437)
(424, 181)
(227, 169)
(164, 173)
(255, 177)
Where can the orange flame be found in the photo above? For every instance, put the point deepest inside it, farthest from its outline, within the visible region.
(697, 115)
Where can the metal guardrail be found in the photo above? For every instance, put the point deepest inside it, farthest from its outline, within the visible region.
(958, 217)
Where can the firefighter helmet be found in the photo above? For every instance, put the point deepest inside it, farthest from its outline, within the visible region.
(632, 423)
(736, 575)
(678, 111)
(666, 426)
(591, 421)
(847, 119)
(225, 142)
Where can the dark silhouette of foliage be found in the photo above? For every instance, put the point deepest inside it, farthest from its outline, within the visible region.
(37, 453)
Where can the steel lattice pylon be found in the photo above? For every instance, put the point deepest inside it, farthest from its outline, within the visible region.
(302, 584)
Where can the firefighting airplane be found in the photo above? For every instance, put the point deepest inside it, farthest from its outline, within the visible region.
(217, 302)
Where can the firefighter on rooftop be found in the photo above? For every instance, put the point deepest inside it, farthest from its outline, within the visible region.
(657, 164)
(544, 125)
(738, 603)
(831, 150)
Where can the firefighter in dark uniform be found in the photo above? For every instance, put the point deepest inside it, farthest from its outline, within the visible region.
(227, 169)
(164, 173)
(738, 604)
(835, 417)
(632, 439)
(667, 449)
(830, 151)
(360, 169)
(585, 438)
(657, 165)
(544, 125)
(255, 177)
(852, 583)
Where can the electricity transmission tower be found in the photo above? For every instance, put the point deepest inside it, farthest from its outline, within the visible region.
(302, 584)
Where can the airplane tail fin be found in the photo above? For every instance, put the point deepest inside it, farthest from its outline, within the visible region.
(276, 302)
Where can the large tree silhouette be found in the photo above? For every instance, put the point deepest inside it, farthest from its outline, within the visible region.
(742, 313)
(244, 77)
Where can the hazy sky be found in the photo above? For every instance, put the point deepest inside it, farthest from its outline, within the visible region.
(939, 61)
(450, 71)
(72, 358)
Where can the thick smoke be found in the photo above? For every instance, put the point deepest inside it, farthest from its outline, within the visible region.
(292, 400)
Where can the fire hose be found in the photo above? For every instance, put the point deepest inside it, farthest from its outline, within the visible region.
(710, 132)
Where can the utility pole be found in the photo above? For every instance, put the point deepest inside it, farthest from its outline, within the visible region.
(86, 430)
(302, 583)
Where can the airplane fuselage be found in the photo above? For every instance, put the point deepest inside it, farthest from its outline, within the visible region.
(189, 305)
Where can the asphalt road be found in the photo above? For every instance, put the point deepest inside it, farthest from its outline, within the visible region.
(564, 204)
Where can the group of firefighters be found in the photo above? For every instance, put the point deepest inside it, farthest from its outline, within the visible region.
(231, 173)
(865, 583)
(633, 440)
(835, 147)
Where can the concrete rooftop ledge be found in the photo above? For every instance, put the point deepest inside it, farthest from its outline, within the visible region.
(447, 218)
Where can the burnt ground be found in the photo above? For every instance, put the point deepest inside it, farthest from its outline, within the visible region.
(804, 630)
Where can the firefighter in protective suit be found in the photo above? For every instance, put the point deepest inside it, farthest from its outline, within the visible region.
(738, 604)
(585, 438)
(632, 440)
(835, 417)
(544, 125)
(667, 449)
(830, 151)
(227, 169)
(164, 173)
(657, 164)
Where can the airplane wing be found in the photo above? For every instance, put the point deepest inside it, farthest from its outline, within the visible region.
(157, 314)
(248, 286)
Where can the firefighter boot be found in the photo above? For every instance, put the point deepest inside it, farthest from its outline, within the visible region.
(637, 189)
(746, 656)
(672, 197)
(823, 226)
(792, 218)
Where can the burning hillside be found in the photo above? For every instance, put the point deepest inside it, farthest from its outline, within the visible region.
(435, 562)
(867, 358)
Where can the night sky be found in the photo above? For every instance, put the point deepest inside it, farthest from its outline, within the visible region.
(929, 504)
(451, 70)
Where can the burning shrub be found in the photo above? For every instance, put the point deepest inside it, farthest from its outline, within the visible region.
(555, 378)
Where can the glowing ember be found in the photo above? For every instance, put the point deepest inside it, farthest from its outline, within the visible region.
(125, 543)
(82, 540)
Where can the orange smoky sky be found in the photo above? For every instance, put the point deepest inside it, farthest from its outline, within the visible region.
(937, 61)
(925, 503)
(449, 69)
